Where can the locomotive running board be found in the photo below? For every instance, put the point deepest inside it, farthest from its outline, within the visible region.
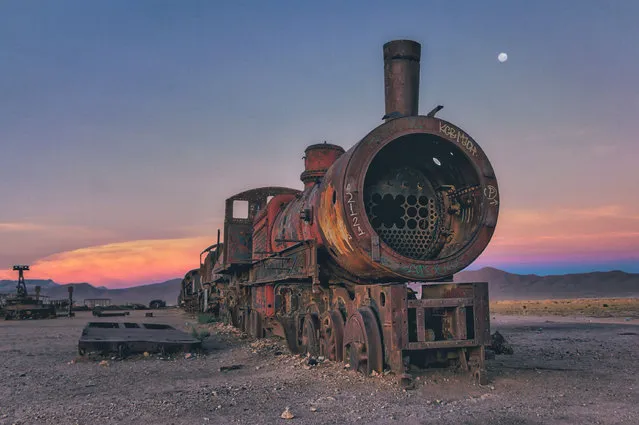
(128, 338)
(298, 262)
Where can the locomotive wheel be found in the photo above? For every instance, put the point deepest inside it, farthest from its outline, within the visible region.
(363, 342)
(292, 330)
(245, 321)
(256, 329)
(332, 336)
(310, 334)
(227, 317)
(236, 316)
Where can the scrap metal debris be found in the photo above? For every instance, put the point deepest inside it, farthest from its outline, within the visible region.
(499, 345)
(127, 338)
(232, 367)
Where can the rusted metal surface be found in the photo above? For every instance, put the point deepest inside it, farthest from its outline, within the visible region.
(332, 336)
(427, 228)
(327, 268)
(264, 224)
(238, 229)
(317, 160)
(128, 338)
(363, 342)
(190, 287)
(298, 262)
(401, 77)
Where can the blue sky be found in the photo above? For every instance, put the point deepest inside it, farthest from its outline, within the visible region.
(129, 121)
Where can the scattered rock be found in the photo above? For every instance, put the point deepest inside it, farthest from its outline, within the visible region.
(286, 414)
(499, 344)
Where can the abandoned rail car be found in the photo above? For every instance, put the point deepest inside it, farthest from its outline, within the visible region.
(22, 305)
(328, 267)
(190, 289)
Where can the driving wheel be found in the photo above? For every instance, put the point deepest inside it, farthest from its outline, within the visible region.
(332, 336)
(363, 342)
(310, 334)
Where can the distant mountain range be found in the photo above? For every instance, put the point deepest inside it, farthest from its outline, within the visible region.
(503, 286)
(510, 286)
(167, 291)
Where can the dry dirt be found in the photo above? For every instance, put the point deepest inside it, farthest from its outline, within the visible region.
(563, 371)
(592, 307)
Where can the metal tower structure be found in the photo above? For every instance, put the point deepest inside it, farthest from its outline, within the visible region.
(22, 287)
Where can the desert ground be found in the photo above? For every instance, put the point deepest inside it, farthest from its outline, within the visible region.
(573, 369)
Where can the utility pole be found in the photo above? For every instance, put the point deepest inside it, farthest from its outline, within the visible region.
(70, 301)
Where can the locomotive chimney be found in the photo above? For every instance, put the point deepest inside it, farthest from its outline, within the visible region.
(317, 160)
(401, 78)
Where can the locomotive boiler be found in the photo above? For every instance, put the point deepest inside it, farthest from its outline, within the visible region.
(358, 266)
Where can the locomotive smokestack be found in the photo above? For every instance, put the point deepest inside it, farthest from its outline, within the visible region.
(401, 78)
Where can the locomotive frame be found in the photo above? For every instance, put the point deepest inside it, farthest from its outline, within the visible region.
(372, 327)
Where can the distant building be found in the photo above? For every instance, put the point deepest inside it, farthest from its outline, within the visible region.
(97, 302)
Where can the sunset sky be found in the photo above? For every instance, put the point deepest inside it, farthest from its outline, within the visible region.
(125, 124)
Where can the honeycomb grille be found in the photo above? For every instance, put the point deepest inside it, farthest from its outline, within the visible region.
(407, 224)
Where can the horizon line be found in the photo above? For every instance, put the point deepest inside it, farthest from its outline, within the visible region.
(462, 271)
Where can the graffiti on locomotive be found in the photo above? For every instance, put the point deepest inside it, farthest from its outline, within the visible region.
(459, 136)
(352, 212)
(490, 192)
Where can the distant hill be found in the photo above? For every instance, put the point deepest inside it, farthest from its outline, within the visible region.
(503, 286)
(167, 291)
(510, 286)
(10, 285)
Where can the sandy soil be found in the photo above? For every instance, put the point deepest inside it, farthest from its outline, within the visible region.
(564, 371)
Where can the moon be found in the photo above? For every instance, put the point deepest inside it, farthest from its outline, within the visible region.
(502, 57)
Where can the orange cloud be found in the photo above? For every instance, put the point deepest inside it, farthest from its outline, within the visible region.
(608, 231)
(122, 264)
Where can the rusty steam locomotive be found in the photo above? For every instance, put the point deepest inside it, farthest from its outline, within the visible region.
(358, 266)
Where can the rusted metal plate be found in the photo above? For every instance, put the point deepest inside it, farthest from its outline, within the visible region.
(482, 312)
(298, 262)
(441, 344)
(438, 303)
(239, 243)
(129, 337)
(263, 300)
